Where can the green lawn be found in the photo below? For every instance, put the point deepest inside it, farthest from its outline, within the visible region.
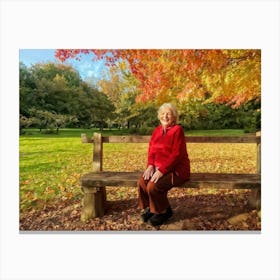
(50, 164)
(72, 132)
(214, 132)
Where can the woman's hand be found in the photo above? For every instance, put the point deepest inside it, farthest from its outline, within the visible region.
(148, 173)
(157, 175)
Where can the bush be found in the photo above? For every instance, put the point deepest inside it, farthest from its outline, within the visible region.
(49, 131)
(146, 130)
(250, 129)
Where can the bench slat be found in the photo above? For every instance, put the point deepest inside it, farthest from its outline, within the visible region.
(197, 180)
(189, 139)
(223, 139)
(126, 139)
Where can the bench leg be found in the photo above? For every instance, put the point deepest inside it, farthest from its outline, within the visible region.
(93, 203)
(255, 199)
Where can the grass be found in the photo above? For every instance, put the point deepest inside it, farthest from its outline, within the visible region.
(72, 132)
(217, 132)
(50, 167)
(51, 164)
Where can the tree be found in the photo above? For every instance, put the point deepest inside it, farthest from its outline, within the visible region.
(221, 76)
(198, 115)
(26, 87)
(59, 96)
(50, 120)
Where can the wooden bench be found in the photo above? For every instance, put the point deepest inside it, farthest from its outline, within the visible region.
(94, 184)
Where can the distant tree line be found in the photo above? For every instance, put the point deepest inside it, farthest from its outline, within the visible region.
(197, 115)
(53, 96)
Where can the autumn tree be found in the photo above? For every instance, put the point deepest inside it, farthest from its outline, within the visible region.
(229, 77)
(121, 88)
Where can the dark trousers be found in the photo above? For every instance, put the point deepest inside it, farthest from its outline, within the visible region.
(154, 195)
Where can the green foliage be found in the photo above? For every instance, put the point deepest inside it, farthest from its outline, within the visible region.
(55, 96)
(198, 115)
(249, 116)
(141, 130)
(51, 121)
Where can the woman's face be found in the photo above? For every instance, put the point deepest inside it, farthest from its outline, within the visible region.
(166, 117)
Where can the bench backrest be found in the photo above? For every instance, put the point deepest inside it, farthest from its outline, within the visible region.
(98, 141)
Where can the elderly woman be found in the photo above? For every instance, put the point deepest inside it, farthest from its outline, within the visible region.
(168, 165)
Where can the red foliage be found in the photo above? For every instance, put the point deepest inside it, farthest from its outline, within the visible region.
(165, 73)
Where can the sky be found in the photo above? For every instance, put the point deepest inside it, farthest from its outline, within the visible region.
(86, 67)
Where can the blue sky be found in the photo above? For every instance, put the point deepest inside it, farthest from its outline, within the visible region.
(86, 67)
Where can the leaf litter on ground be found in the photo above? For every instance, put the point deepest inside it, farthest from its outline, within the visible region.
(194, 209)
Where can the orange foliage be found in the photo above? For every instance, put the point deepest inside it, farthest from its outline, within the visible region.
(220, 76)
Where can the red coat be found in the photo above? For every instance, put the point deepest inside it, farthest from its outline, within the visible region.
(168, 151)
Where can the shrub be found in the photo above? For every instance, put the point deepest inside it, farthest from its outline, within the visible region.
(49, 131)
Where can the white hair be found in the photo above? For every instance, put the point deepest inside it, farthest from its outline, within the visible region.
(172, 109)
